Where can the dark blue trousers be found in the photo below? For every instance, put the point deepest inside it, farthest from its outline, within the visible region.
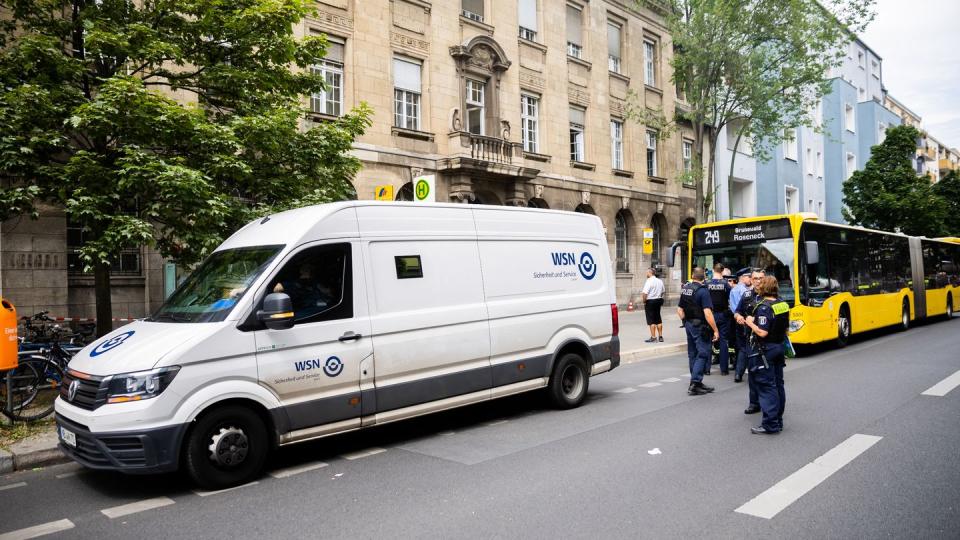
(723, 321)
(742, 352)
(769, 381)
(698, 350)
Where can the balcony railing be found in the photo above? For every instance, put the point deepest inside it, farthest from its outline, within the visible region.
(485, 148)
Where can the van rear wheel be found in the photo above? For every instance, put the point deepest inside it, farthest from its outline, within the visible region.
(227, 447)
(569, 382)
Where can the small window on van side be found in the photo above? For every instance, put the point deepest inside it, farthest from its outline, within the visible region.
(319, 281)
(408, 266)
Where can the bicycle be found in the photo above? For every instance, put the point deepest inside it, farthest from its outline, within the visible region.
(29, 390)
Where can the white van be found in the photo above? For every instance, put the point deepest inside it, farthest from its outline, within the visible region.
(336, 317)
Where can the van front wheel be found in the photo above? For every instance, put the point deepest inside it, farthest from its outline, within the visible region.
(226, 447)
(569, 382)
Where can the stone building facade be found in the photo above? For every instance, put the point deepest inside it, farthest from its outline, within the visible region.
(523, 105)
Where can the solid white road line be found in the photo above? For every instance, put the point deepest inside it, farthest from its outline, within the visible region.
(216, 492)
(11, 486)
(626, 390)
(363, 453)
(496, 423)
(787, 491)
(671, 379)
(133, 508)
(650, 385)
(38, 530)
(67, 475)
(290, 471)
(943, 387)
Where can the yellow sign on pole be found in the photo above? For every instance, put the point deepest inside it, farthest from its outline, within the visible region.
(647, 241)
(383, 193)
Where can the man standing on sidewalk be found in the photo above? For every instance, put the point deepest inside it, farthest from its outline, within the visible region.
(696, 312)
(652, 302)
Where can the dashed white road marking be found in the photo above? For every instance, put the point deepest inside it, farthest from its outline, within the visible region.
(943, 387)
(38, 530)
(218, 491)
(12, 486)
(134, 507)
(627, 390)
(363, 453)
(785, 492)
(651, 384)
(291, 471)
(67, 475)
(447, 433)
(496, 422)
(671, 379)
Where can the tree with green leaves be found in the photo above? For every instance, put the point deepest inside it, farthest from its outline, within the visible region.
(164, 122)
(948, 189)
(760, 64)
(889, 195)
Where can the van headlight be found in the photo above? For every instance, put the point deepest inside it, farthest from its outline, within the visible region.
(795, 325)
(140, 385)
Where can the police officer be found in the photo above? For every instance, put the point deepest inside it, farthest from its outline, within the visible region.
(746, 306)
(696, 311)
(720, 298)
(740, 357)
(769, 324)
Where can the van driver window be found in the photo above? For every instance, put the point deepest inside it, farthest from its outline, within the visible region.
(318, 281)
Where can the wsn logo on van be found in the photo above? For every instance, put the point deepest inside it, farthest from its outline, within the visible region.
(586, 264)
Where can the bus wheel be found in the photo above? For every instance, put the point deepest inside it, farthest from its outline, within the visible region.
(843, 327)
(226, 447)
(905, 316)
(569, 382)
(949, 307)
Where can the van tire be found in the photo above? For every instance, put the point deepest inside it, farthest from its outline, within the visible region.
(240, 437)
(569, 382)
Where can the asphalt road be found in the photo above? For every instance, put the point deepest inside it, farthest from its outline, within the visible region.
(863, 455)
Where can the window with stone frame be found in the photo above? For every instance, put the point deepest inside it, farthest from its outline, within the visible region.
(527, 19)
(614, 49)
(476, 106)
(621, 235)
(530, 122)
(126, 263)
(577, 122)
(330, 100)
(650, 62)
(652, 153)
(472, 9)
(616, 143)
(574, 31)
(406, 92)
(480, 64)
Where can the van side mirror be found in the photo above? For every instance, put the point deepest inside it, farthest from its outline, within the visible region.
(813, 252)
(277, 312)
(672, 253)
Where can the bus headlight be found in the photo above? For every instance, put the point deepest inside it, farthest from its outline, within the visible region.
(140, 385)
(795, 325)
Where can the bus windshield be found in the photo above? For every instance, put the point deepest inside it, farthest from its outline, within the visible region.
(211, 291)
(775, 257)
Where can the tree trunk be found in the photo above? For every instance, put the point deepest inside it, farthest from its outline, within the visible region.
(101, 281)
(708, 196)
(698, 129)
(733, 159)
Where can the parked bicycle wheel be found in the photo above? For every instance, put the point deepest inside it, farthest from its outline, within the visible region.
(34, 387)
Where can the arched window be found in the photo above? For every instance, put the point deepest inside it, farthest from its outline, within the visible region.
(657, 224)
(584, 209)
(537, 203)
(621, 238)
(405, 193)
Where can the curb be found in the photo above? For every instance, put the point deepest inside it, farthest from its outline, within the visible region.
(11, 461)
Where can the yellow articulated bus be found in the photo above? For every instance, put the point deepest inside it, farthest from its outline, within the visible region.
(839, 280)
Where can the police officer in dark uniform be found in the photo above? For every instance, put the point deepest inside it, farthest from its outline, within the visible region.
(696, 312)
(746, 306)
(769, 323)
(720, 297)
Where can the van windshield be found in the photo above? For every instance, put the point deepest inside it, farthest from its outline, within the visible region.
(211, 291)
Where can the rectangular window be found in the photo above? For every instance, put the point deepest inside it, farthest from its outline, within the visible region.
(687, 156)
(651, 153)
(127, 263)
(472, 9)
(616, 146)
(861, 94)
(851, 164)
(406, 93)
(408, 266)
(527, 15)
(820, 165)
(881, 132)
(818, 114)
(613, 46)
(808, 163)
(530, 122)
(577, 120)
(875, 69)
(849, 118)
(820, 208)
(810, 207)
(860, 61)
(574, 32)
(330, 100)
(790, 144)
(475, 106)
(790, 200)
(649, 62)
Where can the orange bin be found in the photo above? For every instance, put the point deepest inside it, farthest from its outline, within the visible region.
(8, 341)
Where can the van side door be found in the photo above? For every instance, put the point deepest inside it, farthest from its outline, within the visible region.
(314, 368)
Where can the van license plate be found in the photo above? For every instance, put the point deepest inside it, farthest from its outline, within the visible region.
(68, 437)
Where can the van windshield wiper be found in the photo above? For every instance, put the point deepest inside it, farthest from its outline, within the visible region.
(172, 317)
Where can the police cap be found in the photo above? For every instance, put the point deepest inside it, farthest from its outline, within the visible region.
(743, 271)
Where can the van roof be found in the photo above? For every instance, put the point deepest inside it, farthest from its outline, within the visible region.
(293, 227)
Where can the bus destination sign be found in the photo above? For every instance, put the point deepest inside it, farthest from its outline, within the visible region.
(742, 233)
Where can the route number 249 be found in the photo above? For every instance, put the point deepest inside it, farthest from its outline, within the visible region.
(711, 237)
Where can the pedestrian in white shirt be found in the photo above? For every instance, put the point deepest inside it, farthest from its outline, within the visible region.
(652, 302)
